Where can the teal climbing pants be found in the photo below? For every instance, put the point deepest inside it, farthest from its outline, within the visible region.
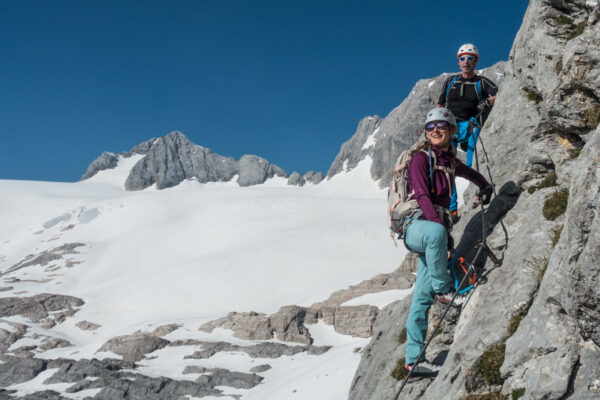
(431, 241)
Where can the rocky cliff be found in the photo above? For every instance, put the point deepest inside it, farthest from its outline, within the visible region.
(530, 329)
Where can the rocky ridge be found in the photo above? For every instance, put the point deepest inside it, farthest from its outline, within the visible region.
(530, 329)
(169, 160)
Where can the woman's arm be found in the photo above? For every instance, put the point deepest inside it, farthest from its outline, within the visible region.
(418, 172)
(470, 174)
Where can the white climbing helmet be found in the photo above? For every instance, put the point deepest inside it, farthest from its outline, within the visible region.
(440, 114)
(468, 49)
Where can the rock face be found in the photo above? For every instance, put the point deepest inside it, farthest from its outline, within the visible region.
(254, 170)
(173, 158)
(104, 161)
(383, 139)
(313, 177)
(296, 179)
(538, 314)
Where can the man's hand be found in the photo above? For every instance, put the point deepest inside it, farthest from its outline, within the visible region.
(485, 195)
(484, 105)
(492, 99)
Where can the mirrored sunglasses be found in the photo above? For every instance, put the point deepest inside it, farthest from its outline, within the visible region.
(466, 58)
(441, 125)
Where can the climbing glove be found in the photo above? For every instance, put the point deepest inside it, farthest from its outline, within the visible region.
(485, 194)
(484, 105)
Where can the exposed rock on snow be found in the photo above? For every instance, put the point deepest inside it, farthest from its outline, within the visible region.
(260, 368)
(87, 326)
(254, 170)
(223, 377)
(39, 306)
(313, 177)
(45, 257)
(134, 347)
(164, 330)
(106, 160)
(260, 350)
(296, 180)
(173, 158)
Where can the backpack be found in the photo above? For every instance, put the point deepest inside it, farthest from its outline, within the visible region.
(402, 206)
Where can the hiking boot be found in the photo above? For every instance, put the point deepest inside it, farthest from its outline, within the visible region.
(421, 369)
(446, 298)
(454, 216)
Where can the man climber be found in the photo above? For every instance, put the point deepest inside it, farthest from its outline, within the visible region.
(468, 96)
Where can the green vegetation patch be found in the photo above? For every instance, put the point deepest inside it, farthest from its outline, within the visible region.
(577, 30)
(539, 266)
(548, 181)
(574, 153)
(398, 372)
(485, 396)
(558, 66)
(593, 116)
(518, 393)
(402, 336)
(556, 235)
(490, 362)
(515, 321)
(564, 20)
(555, 205)
(532, 95)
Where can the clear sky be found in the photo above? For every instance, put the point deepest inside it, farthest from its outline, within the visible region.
(286, 80)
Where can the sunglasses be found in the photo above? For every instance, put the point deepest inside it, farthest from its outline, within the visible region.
(441, 125)
(466, 58)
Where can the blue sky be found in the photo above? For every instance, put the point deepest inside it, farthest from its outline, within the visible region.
(286, 80)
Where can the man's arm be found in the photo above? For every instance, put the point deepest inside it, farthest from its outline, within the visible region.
(490, 89)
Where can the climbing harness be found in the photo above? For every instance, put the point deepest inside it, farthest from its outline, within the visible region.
(468, 270)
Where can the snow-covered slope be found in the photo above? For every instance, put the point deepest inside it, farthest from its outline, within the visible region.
(191, 254)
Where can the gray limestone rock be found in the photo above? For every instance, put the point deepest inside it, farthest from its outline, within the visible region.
(260, 368)
(87, 326)
(144, 147)
(20, 370)
(223, 377)
(173, 158)
(134, 347)
(9, 336)
(355, 320)
(288, 324)
(250, 325)
(254, 170)
(37, 307)
(45, 257)
(104, 161)
(357, 148)
(296, 179)
(313, 177)
(164, 330)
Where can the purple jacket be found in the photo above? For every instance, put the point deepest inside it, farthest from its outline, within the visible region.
(418, 180)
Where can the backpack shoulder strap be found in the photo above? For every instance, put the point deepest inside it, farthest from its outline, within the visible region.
(454, 79)
(478, 89)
